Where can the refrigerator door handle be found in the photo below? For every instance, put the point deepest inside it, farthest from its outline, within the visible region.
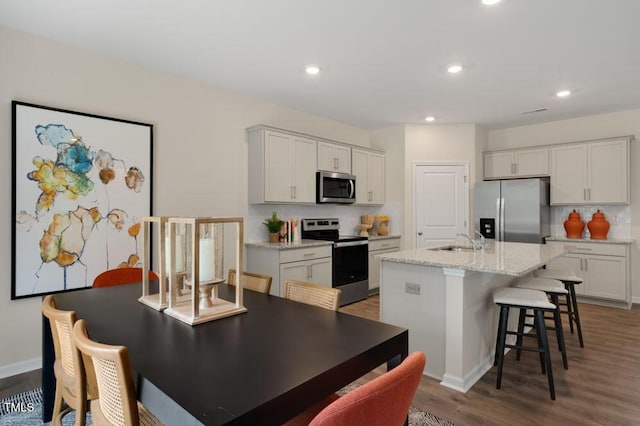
(501, 219)
(498, 229)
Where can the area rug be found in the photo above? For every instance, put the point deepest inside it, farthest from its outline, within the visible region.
(25, 409)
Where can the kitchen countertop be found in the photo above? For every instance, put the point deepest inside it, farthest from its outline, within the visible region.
(288, 246)
(514, 259)
(589, 240)
(383, 237)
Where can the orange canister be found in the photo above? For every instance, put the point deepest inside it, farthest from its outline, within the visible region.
(598, 226)
(574, 225)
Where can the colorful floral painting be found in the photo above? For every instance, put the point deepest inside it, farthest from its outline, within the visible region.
(81, 186)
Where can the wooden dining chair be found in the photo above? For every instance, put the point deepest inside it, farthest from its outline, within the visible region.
(313, 294)
(72, 385)
(120, 276)
(117, 403)
(384, 401)
(251, 281)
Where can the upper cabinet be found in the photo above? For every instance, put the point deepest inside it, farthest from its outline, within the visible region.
(368, 167)
(590, 173)
(530, 162)
(333, 157)
(282, 167)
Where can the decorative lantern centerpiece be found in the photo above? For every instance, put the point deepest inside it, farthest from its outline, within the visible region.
(156, 300)
(200, 247)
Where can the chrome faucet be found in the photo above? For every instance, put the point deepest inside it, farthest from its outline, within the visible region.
(477, 245)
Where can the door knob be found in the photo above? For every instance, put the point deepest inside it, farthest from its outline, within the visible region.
(420, 233)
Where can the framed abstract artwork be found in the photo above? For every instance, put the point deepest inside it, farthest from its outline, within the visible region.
(81, 186)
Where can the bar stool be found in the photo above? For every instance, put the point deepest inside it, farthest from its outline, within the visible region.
(553, 289)
(570, 280)
(523, 299)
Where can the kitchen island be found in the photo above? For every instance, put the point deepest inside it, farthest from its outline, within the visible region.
(444, 298)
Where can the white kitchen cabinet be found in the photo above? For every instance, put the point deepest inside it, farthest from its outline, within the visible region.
(529, 162)
(368, 167)
(311, 264)
(333, 157)
(603, 267)
(590, 173)
(379, 246)
(282, 167)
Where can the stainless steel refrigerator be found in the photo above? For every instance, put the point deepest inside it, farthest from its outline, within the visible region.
(513, 210)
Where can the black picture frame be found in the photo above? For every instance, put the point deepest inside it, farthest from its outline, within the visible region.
(81, 184)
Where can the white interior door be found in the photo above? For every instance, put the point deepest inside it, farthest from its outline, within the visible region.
(440, 200)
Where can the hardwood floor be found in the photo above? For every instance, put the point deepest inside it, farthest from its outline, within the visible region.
(601, 386)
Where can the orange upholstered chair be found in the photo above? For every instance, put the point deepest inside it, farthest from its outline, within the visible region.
(384, 401)
(121, 276)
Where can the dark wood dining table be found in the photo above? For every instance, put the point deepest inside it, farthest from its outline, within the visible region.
(261, 367)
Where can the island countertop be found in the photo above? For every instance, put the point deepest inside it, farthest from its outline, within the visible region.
(497, 257)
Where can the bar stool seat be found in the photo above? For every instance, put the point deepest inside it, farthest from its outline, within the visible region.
(523, 299)
(553, 289)
(570, 280)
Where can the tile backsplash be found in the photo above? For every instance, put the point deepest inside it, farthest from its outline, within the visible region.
(619, 217)
(349, 216)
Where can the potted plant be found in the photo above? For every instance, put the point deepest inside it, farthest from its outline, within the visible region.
(273, 225)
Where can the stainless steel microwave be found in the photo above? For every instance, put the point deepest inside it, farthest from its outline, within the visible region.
(332, 187)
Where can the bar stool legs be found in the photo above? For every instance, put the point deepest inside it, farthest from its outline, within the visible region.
(523, 299)
(569, 280)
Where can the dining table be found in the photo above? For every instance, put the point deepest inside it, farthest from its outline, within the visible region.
(264, 366)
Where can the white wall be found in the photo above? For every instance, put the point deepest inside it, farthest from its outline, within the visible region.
(436, 143)
(200, 153)
(580, 129)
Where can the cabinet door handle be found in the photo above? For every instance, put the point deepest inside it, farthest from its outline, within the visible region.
(309, 254)
(586, 264)
(589, 194)
(515, 168)
(370, 195)
(294, 192)
(335, 163)
(584, 194)
(309, 272)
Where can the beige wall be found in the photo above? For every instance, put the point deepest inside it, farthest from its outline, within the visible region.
(200, 154)
(587, 128)
(436, 143)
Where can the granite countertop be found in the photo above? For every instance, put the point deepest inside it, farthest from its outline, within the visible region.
(383, 237)
(288, 246)
(589, 240)
(514, 259)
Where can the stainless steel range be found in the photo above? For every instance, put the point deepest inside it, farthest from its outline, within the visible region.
(350, 272)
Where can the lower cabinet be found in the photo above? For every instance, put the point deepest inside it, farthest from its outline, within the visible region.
(379, 246)
(311, 264)
(603, 267)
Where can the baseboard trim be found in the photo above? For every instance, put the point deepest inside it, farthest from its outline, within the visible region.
(635, 299)
(20, 367)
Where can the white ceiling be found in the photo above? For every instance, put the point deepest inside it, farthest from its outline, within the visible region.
(383, 61)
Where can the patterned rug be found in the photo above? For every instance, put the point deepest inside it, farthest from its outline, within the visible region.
(25, 409)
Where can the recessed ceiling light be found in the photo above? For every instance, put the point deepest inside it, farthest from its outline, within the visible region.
(430, 119)
(563, 93)
(312, 69)
(454, 68)
(490, 2)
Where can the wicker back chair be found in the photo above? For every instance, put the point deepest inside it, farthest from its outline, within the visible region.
(313, 294)
(68, 367)
(120, 276)
(251, 281)
(117, 403)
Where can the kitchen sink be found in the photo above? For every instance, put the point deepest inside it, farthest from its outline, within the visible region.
(453, 248)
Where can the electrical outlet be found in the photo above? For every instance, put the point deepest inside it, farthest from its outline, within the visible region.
(412, 288)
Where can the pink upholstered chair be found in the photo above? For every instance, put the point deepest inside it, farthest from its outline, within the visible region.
(384, 401)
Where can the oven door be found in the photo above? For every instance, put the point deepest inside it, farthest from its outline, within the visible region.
(350, 262)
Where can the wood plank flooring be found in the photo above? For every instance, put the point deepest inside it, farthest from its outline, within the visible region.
(601, 386)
